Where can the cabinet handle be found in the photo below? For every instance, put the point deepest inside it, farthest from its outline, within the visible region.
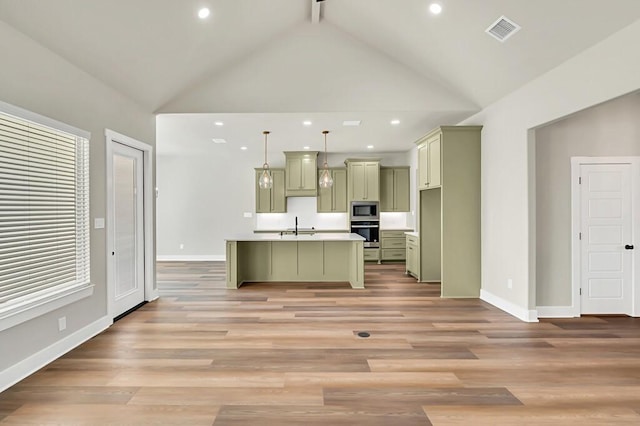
(628, 247)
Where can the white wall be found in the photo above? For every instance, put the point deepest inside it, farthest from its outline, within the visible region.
(205, 191)
(33, 78)
(608, 130)
(605, 71)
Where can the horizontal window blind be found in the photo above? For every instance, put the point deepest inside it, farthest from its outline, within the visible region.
(44, 211)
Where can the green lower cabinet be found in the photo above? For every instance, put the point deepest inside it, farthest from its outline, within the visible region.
(371, 254)
(394, 254)
(281, 254)
(336, 260)
(310, 266)
(413, 256)
(291, 261)
(393, 245)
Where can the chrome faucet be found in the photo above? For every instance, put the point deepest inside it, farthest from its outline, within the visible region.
(296, 225)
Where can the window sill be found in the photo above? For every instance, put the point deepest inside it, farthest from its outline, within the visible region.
(21, 313)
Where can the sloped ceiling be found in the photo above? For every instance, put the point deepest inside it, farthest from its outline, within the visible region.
(366, 58)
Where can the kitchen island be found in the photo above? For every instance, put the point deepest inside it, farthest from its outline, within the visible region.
(286, 258)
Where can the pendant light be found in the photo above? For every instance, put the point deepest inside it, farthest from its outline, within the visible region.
(325, 181)
(265, 181)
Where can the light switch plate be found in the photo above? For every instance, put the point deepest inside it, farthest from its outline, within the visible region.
(98, 223)
(248, 214)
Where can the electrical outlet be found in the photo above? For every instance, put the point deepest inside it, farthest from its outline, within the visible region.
(509, 283)
(181, 246)
(62, 323)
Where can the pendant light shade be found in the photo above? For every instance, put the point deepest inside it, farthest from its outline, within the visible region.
(325, 181)
(265, 181)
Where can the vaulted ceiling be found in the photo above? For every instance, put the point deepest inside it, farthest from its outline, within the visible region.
(364, 59)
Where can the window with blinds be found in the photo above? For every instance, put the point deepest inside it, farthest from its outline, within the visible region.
(44, 213)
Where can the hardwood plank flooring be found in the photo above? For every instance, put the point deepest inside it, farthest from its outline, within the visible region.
(289, 354)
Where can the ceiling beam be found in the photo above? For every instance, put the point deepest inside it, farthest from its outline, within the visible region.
(316, 7)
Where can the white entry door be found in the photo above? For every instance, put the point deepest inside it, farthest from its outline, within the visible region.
(606, 265)
(128, 236)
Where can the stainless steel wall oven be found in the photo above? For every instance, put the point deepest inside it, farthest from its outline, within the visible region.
(369, 230)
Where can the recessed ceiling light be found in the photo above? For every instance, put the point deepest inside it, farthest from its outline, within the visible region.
(395, 122)
(306, 123)
(204, 13)
(369, 146)
(244, 148)
(219, 123)
(351, 123)
(306, 147)
(435, 8)
(217, 140)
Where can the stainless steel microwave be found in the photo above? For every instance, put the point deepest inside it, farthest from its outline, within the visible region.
(365, 210)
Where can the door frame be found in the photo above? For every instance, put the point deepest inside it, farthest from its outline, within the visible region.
(576, 253)
(150, 290)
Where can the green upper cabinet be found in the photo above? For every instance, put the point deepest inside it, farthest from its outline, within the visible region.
(301, 173)
(429, 161)
(363, 180)
(334, 199)
(394, 189)
(271, 200)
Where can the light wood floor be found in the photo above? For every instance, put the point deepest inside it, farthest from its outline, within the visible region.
(289, 354)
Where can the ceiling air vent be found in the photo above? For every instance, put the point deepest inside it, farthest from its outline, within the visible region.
(502, 29)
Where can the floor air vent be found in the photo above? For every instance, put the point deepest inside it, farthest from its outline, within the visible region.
(502, 29)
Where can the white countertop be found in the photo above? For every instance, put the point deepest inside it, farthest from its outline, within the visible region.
(305, 230)
(396, 229)
(413, 234)
(313, 237)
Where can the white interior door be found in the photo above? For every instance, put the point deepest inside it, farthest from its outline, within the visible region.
(128, 236)
(606, 266)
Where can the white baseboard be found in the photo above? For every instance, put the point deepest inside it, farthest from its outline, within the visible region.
(555, 312)
(190, 258)
(526, 315)
(30, 365)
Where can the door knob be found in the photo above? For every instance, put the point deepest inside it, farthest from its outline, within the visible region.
(628, 247)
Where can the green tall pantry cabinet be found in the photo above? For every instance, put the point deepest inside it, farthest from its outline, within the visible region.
(449, 209)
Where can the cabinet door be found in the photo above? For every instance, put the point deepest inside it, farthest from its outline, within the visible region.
(412, 258)
(358, 181)
(263, 196)
(326, 196)
(333, 199)
(434, 145)
(339, 190)
(423, 166)
(372, 181)
(400, 190)
(387, 190)
(309, 173)
(278, 200)
(301, 174)
(294, 173)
